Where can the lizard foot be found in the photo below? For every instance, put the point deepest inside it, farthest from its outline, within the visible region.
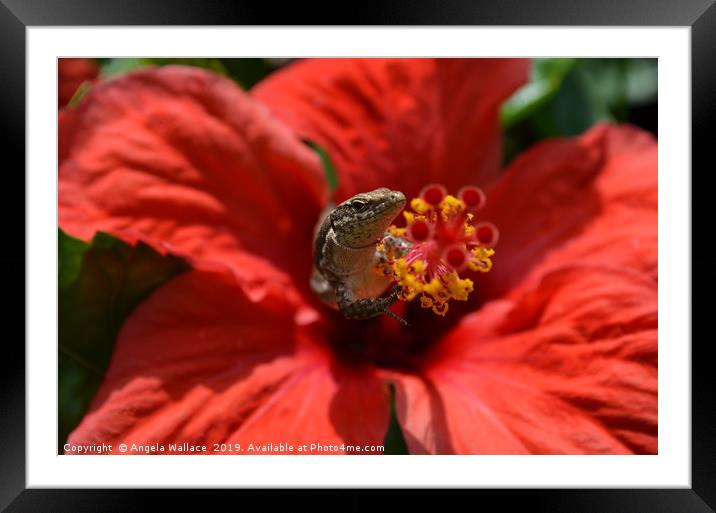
(390, 313)
(354, 308)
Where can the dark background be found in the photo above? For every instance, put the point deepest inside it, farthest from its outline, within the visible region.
(16, 15)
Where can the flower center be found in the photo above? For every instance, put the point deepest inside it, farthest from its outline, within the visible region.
(444, 241)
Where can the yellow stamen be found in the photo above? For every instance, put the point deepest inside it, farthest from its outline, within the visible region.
(428, 275)
(407, 279)
(441, 309)
(481, 259)
(458, 288)
(398, 232)
(419, 205)
(418, 266)
(434, 287)
(469, 229)
(435, 293)
(450, 206)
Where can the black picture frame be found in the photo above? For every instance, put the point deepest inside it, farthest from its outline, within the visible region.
(17, 15)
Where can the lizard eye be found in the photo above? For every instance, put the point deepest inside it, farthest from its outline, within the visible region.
(359, 204)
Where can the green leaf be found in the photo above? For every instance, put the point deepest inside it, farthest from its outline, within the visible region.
(249, 72)
(100, 284)
(214, 65)
(565, 97)
(328, 167)
(394, 442)
(577, 106)
(245, 72)
(546, 79)
(70, 253)
(78, 94)
(642, 81)
(112, 67)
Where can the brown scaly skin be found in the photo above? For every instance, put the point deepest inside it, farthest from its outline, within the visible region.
(345, 254)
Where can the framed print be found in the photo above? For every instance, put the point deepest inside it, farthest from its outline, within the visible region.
(430, 250)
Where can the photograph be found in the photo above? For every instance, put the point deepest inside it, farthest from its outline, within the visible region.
(357, 256)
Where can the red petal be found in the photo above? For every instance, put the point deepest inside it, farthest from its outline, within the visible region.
(322, 406)
(199, 362)
(570, 368)
(399, 123)
(71, 73)
(588, 199)
(181, 158)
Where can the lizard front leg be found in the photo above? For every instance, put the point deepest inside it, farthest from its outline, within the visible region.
(390, 248)
(354, 308)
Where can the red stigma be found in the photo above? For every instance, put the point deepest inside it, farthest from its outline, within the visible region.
(419, 230)
(473, 197)
(442, 242)
(456, 256)
(433, 194)
(486, 234)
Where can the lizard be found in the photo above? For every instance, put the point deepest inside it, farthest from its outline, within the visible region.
(345, 254)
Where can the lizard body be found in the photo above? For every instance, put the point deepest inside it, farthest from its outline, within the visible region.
(345, 254)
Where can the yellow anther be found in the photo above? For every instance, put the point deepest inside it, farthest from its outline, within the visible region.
(458, 288)
(425, 271)
(419, 205)
(482, 252)
(408, 294)
(418, 266)
(397, 232)
(400, 265)
(450, 206)
(434, 287)
(440, 309)
(481, 260)
(469, 229)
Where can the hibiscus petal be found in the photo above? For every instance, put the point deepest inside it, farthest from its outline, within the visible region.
(592, 198)
(322, 406)
(570, 367)
(398, 123)
(199, 362)
(71, 73)
(182, 159)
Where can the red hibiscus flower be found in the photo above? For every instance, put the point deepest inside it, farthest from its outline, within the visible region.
(71, 74)
(555, 351)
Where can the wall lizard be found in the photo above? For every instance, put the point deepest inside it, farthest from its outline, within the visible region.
(345, 254)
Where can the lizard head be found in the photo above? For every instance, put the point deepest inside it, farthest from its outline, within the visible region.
(362, 220)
